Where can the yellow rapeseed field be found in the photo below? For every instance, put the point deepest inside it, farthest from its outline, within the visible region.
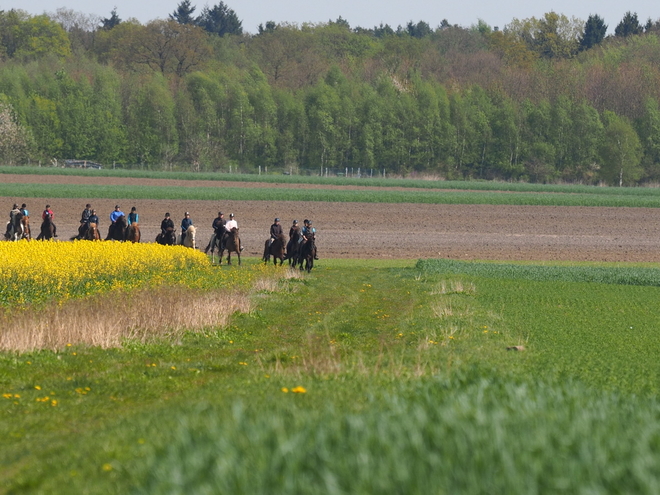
(33, 272)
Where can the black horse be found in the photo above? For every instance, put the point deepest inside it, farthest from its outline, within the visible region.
(308, 253)
(275, 249)
(47, 229)
(117, 230)
(168, 238)
(293, 247)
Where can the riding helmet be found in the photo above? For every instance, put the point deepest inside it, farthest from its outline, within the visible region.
(277, 219)
(231, 215)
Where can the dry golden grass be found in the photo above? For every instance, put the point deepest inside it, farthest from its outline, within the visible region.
(106, 321)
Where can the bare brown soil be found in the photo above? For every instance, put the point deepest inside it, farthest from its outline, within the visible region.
(367, 230)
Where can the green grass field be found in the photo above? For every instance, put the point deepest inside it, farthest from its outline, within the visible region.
(420, 191)
(363, 377)
(376, 195)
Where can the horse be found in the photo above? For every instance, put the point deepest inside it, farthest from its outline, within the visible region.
(47, 229)
(92, 233)
(275, 249)
(117, 230)
(232, 245)
(308, 253)
(82, 232)
(293, 248)
(189, 239)
(168, 238)
(133, 232)
(16, 228)
(25, 227)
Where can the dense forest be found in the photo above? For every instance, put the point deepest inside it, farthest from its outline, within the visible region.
(541, 100)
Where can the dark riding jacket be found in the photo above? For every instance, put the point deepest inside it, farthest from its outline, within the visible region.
(219, 226)
(93, 219)
(166, 223)
(84, 218)
(275, 230)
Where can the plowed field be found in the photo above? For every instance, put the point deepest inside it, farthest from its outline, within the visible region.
(368, 230)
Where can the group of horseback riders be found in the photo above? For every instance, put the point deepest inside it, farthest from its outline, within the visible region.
(18, 226)
(300, 248)
(221, 231)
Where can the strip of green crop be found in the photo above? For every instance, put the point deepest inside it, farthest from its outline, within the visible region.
(628, 275)
(340, 181)
(340, 196)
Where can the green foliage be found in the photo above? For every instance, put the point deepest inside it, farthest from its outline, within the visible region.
(406, 384)
(544, 273)
(315, 97)
(620, 151)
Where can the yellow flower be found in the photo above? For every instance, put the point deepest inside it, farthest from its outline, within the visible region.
(107, 467)
(37, 387)
(285, 390)
(299, 390)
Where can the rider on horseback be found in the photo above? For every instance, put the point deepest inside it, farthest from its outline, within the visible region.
(185, 223)
(24, 210)
(84, 221)
(219, 230)
(231, 224)
(12, 215)
(275, 231)
(114, 216)
(49, 212)
(93, 218)
(132, 216)
(309, 232)
(167, 223)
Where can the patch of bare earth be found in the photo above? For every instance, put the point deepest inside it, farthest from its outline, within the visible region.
(369, 230)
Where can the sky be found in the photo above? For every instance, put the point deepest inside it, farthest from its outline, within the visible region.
(364, 13)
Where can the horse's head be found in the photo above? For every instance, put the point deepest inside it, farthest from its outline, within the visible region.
(122, 221)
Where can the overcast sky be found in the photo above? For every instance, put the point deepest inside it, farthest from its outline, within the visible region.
(365, 13)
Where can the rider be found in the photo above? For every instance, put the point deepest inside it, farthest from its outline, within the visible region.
(230, 225)
(275, 231)
(84, 221)
(24, 210)
(185, 223)
(12, 214)
(132, 216)
(307, 232)
(219, 230)
(292, 231)
(93, 218)
(46, 212)
(167, 223)
(114, 216)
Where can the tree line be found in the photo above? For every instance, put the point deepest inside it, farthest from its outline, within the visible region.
(541, 100)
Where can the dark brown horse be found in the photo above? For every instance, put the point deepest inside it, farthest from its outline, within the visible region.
(275, 249)
(168, 238)
(47, 229)
(308, 253)
(133, 233)
(293, 247)
(92, 233)
(232, 245)
(117, 230)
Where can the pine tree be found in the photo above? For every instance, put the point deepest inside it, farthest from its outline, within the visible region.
(594, 32)
(183, 13)
(628, 26)
(221, 20)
